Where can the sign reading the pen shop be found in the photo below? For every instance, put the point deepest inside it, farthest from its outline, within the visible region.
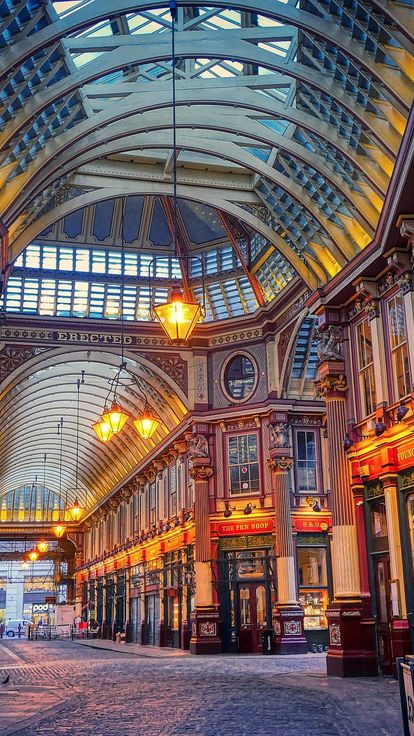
(252, 526)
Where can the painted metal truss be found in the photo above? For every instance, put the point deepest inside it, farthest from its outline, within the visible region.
(289, 116)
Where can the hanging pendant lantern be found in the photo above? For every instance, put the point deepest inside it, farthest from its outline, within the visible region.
(42, 546)
(103, 430)
(76, 510)
(146, 423)
(178, 317)
(115, 417)
(33, 555)
(59, 529)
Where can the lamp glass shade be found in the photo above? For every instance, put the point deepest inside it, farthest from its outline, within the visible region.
(33, 555)
(103, 430)
(178, 317)
(76, 510)
(146, 424)
(115, 417)
(42, 546)
(59, 530)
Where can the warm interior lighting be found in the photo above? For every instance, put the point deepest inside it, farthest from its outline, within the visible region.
(59, 530)
(76, 510)
(33, 555)
(146, 424)
(103, 430)
(116, 417)
(177, 317)
(42, 546)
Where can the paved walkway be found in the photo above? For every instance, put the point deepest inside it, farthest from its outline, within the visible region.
(137, 649)
(105, 693)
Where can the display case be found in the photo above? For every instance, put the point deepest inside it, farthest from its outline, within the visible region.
(314, 603)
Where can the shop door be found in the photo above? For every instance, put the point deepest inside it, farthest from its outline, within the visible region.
(252, 616)
(135, 620)
(152, 619)
(383, 593)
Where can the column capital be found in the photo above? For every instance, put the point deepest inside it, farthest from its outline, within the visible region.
(331, 386)
(280, 463)
(200, 469)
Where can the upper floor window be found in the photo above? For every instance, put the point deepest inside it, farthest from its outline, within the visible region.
(306, 460)
(398, 344)
(243, 463)
(173, 490)
(152, 503)
(366, 368)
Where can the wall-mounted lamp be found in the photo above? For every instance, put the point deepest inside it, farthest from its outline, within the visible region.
(380, 427)
(401, 412)
(248, 509)
(228, 511)
(348, 442)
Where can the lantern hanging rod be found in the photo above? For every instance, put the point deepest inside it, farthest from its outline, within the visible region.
(198, 257)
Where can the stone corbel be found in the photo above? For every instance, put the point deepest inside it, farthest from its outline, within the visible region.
(331, 384)
(200, 469)
(280, 462)
(180, 447)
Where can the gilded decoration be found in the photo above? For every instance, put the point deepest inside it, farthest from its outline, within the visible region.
(374, 491)
(13, 356)
(407, 480)
(331, 385)
(280, 463)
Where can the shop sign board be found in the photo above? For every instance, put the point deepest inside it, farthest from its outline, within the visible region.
(252, 526)
(319, 524)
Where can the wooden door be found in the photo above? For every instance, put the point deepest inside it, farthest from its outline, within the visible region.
(384, 616)
(252, 608)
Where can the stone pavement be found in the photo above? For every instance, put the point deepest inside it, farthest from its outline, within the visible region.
(105, 693)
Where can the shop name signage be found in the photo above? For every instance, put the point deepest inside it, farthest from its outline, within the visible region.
(255, 526)
(405, 454)
(315, 525)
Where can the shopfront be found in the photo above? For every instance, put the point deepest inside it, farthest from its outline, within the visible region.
(246, 584)
(379, 570)
(153, 577)
(136, 580)
(178, 596)
(314, 579)
(406, 496)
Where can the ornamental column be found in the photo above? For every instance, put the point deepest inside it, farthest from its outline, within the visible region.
(288, 615)
(205, 637)
(347, 653)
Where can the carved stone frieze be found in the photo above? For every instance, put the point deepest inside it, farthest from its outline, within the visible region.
(387, 282)
(372, 308)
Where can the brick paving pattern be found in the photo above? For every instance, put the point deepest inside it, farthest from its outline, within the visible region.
(111, 694)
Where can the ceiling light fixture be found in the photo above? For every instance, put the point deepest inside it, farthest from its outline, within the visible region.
(76, 510)
(179, 315)
(59, 527)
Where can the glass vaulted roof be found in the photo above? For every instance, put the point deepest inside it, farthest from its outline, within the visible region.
(289, 114)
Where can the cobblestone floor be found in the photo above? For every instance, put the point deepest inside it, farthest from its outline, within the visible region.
(110, 694)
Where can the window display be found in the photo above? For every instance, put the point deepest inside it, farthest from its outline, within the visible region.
(313, 582)
(314, 603)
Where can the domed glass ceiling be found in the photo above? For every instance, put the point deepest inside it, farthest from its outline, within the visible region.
(290, 115)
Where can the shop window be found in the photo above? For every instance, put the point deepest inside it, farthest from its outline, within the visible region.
(366, 367)
(306, 461)
(243, 463)
(313, 586)
(378, 519)
(410, 514)
(240, 377)
(261, 605)
(398, 345)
